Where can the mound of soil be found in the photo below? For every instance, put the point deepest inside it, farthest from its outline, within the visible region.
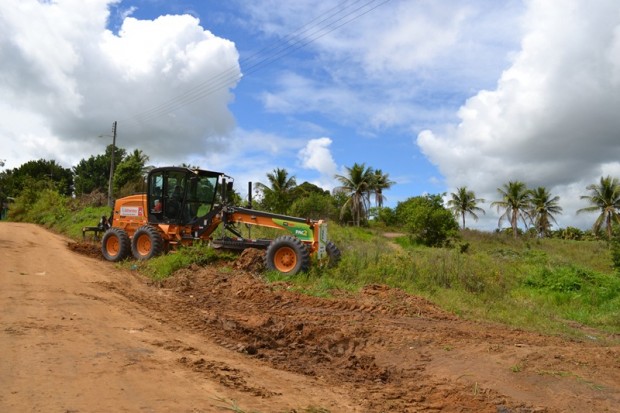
(89, 249)
(251, 260)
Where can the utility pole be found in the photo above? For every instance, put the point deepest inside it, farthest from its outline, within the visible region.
(110, 200)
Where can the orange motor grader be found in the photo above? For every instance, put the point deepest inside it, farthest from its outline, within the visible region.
(182, 206)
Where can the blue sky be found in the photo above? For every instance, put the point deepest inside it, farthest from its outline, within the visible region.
(438, 94)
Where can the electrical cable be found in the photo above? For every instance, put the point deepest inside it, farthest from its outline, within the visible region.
(305, 35)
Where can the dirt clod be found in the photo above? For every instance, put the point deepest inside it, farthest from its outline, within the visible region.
(250, 260)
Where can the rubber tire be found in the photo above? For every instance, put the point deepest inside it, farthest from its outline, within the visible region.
(287, 255)
(115, 245)
(333, 253)
(146, 243)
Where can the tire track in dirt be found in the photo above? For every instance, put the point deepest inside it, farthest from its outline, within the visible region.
(391, 350)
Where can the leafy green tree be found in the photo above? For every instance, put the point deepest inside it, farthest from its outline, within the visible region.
(7, 185)
(315, 206)
(276, 197)
(130, 173)
(464, 202)
(381, 182)
(306, 188)
(14, 181)
(427, 220)
(544, 206)
(384, 215)
(340, 199)
(604, 197)
(93, 174)
(516, 204)
(357, 185)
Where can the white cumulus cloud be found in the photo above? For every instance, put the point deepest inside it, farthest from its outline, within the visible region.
(317, 155)
(552, 119)
(166, 81)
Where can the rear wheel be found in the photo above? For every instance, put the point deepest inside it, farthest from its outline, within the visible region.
(287, 255)
(146, 243)
(115, 244)
(333, 254)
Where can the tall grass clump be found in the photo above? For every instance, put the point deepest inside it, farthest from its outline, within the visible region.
(576, 293)
(162, 267)
(46, 207)
(81, 217)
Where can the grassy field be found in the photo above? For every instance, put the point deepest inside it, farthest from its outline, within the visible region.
(546, 285)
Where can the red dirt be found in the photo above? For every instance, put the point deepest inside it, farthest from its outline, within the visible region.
(216, 338)
(91, 249)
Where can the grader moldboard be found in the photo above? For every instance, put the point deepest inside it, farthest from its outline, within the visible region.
(182, 206)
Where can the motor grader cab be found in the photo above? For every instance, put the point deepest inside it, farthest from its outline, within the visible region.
(183, 206)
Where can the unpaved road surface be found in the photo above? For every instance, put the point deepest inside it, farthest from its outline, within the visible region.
(78, 334)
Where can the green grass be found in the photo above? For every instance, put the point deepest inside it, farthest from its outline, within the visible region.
(164, 266)
(545, 285)
(87, 217)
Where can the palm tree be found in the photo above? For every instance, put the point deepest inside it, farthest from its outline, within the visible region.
(604, 197)
(543, 208)
(380, 182)
(276, 196)
(357, 185)
(464, 202)
(516, 203)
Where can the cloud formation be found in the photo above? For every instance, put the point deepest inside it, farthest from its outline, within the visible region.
(394, 66)
(166, 81)
(316, 155)
(552, 119)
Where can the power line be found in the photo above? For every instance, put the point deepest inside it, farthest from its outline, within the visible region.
(315, 29)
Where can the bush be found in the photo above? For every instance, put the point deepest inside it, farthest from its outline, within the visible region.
(315, 206)
(570, 233)
(41, 206)
(384, 215)
(427, 220)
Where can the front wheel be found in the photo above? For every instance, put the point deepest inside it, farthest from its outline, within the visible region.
(115, 244)
(147, 243)
(287, 255)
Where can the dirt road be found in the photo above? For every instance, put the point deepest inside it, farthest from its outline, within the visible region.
(77, 334)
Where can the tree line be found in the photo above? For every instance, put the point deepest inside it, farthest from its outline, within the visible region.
(537, 208)
(87, 177)
(357, 200)
(350, 202)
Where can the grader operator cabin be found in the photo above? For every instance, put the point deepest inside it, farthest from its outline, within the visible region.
(182, 206)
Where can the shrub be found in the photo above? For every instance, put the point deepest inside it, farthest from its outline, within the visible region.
(40, 205)
(427, 221)
(615, 253)
(315, 206)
